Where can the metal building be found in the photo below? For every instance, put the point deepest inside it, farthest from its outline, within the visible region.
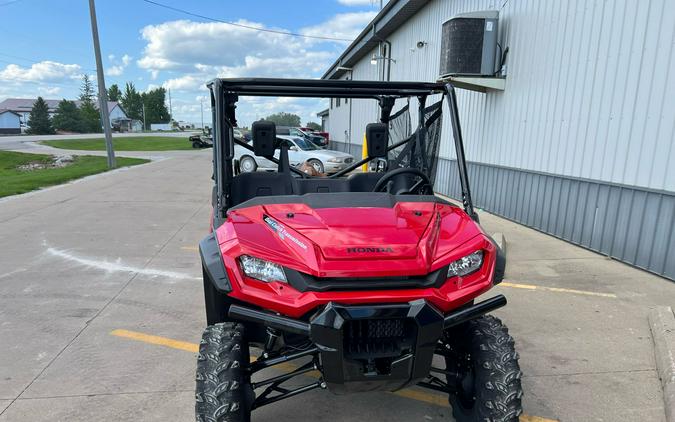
(579, 144)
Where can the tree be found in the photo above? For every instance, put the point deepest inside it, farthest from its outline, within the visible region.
(67, 117)
(87, 93)
(89, 114)
(39, 122)
(313, 125)
(132, 102)
(284, 119)
(155, 107)
(114, 93)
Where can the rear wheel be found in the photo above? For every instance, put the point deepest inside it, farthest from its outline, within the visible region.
(488, 388)
(247, 164)
(196, 144)
(223, 392)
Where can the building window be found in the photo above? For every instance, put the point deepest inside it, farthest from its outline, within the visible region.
(331, 103)
(337, 102)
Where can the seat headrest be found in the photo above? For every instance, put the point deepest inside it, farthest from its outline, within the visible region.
(264, 134)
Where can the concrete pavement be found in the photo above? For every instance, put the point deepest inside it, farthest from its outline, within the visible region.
(117, 251)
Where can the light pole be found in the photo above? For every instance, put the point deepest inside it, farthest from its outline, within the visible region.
(102, 93)
(201, 106)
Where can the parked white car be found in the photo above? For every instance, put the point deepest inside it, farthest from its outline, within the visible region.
(299, 150)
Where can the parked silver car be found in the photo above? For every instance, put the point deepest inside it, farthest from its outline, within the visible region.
(299, 151)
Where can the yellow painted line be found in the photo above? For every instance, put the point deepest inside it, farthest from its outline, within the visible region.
(528, 418)
(434, 399)
(580, 292)
(556, 289)
(160, 341)
(518, 286)
(190, 248)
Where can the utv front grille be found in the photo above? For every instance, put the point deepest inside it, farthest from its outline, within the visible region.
(306, 282)
(378, 338)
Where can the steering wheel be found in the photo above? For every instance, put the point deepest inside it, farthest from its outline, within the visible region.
(421, 187)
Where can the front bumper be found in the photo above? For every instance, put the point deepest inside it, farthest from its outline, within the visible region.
(374, 347)
(334, 167)
(383, 347)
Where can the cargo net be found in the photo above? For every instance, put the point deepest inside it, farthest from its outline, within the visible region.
(421, 155)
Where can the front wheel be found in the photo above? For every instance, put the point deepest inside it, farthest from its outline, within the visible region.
(247, 164)
(223, 392)
(487, 387)
(196, 145)
(318, 165)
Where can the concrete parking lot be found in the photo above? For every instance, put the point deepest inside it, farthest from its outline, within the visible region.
(101, 309)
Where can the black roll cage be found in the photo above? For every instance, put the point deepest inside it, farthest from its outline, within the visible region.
(225, 93)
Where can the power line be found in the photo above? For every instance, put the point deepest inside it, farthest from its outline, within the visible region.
(196, 15)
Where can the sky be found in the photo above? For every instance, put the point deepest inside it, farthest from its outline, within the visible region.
(46, 46)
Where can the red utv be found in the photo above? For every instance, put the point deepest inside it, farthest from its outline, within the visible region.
(368, 279)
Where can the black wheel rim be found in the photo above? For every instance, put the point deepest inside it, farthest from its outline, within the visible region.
(466, 388)
(465, 383)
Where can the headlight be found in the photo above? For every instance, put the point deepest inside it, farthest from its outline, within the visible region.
(466, 265)
(335, 160)
(262, 270)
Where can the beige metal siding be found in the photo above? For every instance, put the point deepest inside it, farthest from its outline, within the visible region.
(590, 90)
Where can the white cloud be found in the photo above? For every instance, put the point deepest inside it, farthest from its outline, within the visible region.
(184, 55)
(50, 90)
(118, 65)
(45, 71)
(115, 71)
(185, 83)
(179, 45)
(342, 25)
(361, 2)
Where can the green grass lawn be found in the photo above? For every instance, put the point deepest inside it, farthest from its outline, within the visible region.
(14, 180)
(131, 143)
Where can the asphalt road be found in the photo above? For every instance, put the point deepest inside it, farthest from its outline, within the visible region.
(101, 309)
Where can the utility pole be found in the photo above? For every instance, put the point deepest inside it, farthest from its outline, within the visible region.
(170, 108)
(144, 126)
(102, 93)
(201, 108)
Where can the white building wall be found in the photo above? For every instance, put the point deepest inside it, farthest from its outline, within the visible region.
(590, 91)
(117, 113)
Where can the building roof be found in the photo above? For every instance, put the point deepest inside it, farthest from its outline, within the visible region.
(390, 18)
(9, 111)
(322, 113)
(23, 105)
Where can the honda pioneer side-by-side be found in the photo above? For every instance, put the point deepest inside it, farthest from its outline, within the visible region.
(366, 280)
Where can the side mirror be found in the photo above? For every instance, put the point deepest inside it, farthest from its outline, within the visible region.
(377, 138)
(263, 134)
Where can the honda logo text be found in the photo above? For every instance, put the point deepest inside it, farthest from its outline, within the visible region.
(370, 250)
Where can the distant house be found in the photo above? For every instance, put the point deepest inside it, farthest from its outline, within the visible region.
(10, 122)
(22, 106)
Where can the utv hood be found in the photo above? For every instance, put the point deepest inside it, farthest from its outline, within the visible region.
(352, 240)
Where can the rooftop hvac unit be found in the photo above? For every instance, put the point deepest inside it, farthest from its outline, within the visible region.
(469, 44)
